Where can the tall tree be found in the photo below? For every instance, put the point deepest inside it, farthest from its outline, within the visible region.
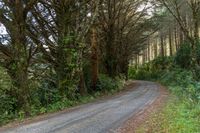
(120, 23)
(64, 27)
(19, 50)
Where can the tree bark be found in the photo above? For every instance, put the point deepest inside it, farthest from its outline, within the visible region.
(170, 42)
(155, 49)
(83, 90)
(162, 51)
(94, 59)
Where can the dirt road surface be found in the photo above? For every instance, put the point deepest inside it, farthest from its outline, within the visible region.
(102, 116)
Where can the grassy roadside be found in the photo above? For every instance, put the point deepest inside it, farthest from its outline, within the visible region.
(178, 116)
(181, 113)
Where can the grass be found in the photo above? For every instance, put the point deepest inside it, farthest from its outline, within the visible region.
(178, 116)
(181, 114)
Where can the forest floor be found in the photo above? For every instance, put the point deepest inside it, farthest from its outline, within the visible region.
(126, 110)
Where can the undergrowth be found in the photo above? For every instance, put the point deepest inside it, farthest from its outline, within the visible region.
(182, 111)
(178, 116)
(46, 99)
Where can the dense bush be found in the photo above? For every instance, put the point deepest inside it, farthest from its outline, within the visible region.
(151, 70)
(183, 56)
(198, 52)
(106, 83)
(182, 83)
(46, 93)
(181, 114)
(162, 63)
(45, 96)
(7, 102)
(142, 73)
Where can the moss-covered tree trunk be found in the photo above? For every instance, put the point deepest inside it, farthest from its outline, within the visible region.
(18, 63)
(20, 83)
(65, 47)
(110, 58)
(94, 59)
(162, 51)
(170, 42)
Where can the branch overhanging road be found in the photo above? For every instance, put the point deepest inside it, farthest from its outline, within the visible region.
(98, 117)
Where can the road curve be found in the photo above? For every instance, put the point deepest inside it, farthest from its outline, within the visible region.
(99, 117)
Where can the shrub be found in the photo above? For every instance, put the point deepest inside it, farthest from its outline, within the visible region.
(162, 63)
(151, 70)
(142, 73)
(45, 94)
(106, 83)
(7, 104)
(182, 112)
(132, 72)
(198, 52)
(183, 56)
(175, 117)
(182, 83)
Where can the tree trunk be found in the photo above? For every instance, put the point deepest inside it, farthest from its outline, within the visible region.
(162, 52)
(136, 61)
(18, 67)
(149, 51)
(196, 25)
(94, 59)
(110, 58)
(82, 85)
(170, 42)
(176, 39)
(181, 37)
(19, 75)
(155, 49)
(143, 57)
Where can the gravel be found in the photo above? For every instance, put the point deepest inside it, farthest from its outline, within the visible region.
(99, 117)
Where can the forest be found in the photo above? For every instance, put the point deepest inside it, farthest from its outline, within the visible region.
(58, 54)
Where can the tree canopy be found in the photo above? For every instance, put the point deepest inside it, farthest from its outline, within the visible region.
(52, 50)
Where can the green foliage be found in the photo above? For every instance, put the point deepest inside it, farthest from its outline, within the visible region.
(45, 96)
(141, 73)
(7, 104)
(21, 115)
(162, 63)
(182, 114)
(67, 40)
(198, 51)
(106, 83)
(46, 93)
(177, 77)
(182, 83)
(183, 56)
(176, 117)
(151, 70)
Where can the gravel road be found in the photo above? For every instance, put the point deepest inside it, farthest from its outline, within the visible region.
(103, 116)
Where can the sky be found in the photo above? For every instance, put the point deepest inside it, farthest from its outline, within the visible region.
(2, 30)
(149, 11)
